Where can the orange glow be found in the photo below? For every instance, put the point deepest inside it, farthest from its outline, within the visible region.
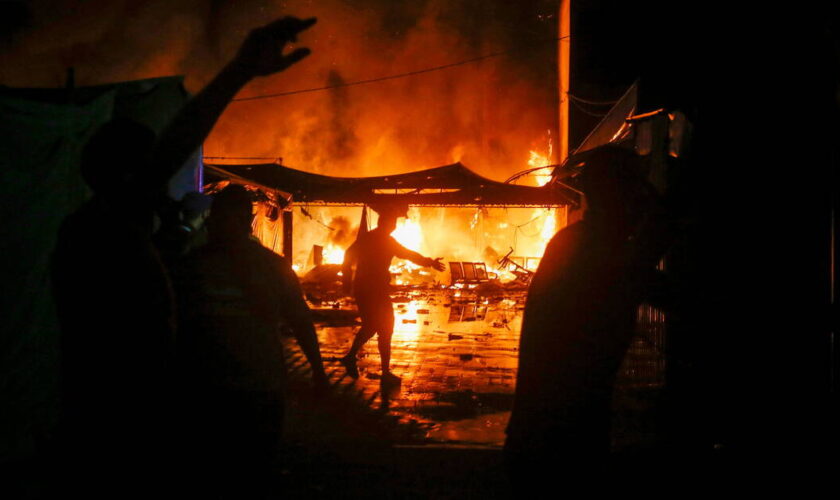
(549, 227)
(333, 254)
(537, 160)
(409, 233)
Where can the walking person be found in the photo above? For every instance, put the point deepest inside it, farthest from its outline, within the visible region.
(370, 285)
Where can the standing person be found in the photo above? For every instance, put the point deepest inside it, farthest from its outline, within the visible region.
(112, 293)
(579, 321)
(370, 285)
(235, 295)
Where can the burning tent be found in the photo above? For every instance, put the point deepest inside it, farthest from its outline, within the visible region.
(453, 186)
(452, 192)
(450, 185)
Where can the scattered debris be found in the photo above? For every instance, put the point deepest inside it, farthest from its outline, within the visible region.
(453, 336)
(406, 320)
(466, 357)
(425, 322)
(422, 311)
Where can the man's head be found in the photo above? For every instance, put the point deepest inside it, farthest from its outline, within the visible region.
(389, 213)
(231, 213)
(116, 157)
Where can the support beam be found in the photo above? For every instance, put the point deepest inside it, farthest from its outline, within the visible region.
(288, 231)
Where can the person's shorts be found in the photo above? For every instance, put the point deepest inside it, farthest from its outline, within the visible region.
(376, 310)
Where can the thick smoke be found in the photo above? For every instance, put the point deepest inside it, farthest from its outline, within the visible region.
(486, 114)
(343, 231)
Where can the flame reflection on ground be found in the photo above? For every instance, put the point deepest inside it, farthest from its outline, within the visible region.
(457, 357)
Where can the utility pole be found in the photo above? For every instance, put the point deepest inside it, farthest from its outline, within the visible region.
(564, 45)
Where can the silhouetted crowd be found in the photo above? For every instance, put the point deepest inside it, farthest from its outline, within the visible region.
(170, 328)
(171, 312)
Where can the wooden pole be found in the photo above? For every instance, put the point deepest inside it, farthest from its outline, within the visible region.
(288, 231)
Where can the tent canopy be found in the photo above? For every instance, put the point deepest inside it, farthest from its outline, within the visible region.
(449, 185)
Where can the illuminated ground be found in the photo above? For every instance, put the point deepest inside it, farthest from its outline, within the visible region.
(440, 435)
(457, 355)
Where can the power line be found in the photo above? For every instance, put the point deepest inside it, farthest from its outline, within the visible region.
(276, 158)
(384, 78)
(593, 103)
(586, 111)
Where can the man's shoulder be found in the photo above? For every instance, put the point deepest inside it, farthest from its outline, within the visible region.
(569, 235)
(264, 254)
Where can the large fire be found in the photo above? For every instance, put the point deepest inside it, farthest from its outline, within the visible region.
(465, 234)
(494, 115)
(333, 254)
(409, 233)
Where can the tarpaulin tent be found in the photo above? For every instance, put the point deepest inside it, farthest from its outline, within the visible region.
(450, 185)
(42, 133)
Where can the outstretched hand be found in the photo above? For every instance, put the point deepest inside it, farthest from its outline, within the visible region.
(438, 265)
(262, 52)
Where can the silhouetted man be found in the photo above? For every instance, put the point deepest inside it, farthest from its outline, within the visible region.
(579, 320)
(234, 296)
(370, 285)
(112, 293)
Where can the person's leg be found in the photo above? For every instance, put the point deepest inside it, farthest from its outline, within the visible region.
(385, 328)
(384, 341)
(365, 333)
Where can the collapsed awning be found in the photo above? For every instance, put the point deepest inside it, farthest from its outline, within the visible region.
(450, 185)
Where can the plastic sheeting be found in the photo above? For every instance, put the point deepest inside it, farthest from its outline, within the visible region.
(42, 133)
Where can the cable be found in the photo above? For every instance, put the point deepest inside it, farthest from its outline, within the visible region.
(593, 103)
(305, 212)
(276, 158)
(384, 78)
(586, 111)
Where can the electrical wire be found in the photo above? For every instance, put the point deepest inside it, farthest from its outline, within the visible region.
(593, 103)
(384, 78)
(587, 112)
(276, 158)
(305, 212)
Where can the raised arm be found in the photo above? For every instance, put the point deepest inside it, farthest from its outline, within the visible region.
(404, 253)
(260, 55)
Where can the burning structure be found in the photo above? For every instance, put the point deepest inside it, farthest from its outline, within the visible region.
(491, 114)
(456, 213)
